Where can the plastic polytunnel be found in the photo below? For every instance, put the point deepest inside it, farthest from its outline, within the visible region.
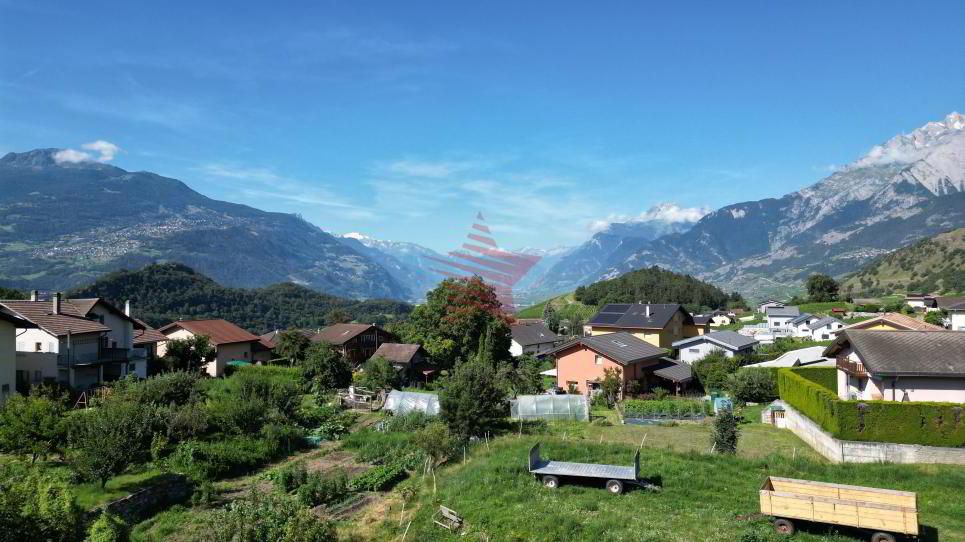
(403, 402)
(550, 407)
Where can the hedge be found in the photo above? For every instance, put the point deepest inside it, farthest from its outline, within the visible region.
(927, 424)
(825, 376)
(636, 408)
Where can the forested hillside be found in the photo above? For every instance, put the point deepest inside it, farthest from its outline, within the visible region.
(934, 265)
(161, 293)
(656, 285)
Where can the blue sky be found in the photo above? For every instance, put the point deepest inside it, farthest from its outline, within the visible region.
(401, 120)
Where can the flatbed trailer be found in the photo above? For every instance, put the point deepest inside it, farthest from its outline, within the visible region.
(616, 476)
(882, 512)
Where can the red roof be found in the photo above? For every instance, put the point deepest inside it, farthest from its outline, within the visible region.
(898, 320)
(68, 320)
(340, 333)
(218, 331)
(397, 352)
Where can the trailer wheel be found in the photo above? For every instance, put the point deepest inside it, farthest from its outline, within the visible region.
(882, 537)
(551, 482)
(784, 526)
(614, 486)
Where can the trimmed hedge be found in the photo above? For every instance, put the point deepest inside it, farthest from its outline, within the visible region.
(927, 424)
(636, 408)
(825, 376)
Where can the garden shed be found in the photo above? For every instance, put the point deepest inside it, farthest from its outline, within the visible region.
(550, 407)
(403, 402)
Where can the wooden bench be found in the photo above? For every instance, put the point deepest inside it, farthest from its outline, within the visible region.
(447, 519)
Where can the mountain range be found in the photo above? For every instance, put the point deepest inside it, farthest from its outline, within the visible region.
(65, 223)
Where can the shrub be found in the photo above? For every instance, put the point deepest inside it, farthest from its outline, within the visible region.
(753, 385)
(637, 408)
(108, 439)
(379, 374)
(379, 477)
(209, 460)
(290, 478)
(108, 528)
(175, 388)
(268, 519)
(412, 421)
(726, 432)
(36, 506)
(377, 447)
(472, 401)
(318, 489)
(713, 370)
(32, 425)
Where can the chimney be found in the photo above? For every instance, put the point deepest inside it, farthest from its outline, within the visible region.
(127, 308)
(648, 310)
(56, 304)
(34, 295)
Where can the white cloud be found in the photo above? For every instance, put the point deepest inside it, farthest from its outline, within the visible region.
(661, 212)
(106, 151)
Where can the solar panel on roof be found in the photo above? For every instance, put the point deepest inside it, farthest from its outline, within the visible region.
(616, 307)
(605, 318)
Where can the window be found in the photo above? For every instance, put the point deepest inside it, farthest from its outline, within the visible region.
(38, 347)
(599, 360)
(694, 350)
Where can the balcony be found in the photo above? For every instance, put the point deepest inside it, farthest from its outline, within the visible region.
(103, 354)
(855, 368)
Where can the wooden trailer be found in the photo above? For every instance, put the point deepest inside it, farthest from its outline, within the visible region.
(883, 512)
(616, 476)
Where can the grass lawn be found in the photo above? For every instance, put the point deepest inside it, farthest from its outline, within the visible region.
(92, 495)
(535, 311)
(825, 308)
(701, 495)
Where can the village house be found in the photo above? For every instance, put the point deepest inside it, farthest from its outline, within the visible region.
(658, 324)
(826, 328)
(730, 343)
(769, 304)
(921, 302)
(812, 356)
(894, 321)
(231, 343)
(147, 340)
(721, 318)
(411, 360)
(900, 365)
(78, 342)
(356, 342)
(800, 326)
(9, 324)
(581, 362)
(532, 338)
(779, 318)
(702, 323)
(956, 313)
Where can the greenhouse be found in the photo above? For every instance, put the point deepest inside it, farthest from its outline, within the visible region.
(403, 402)
(550, 407)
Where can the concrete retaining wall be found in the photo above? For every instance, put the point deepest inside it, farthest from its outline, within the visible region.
(847, 451)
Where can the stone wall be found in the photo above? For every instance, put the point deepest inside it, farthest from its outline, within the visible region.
(846, 451)
(169, 490)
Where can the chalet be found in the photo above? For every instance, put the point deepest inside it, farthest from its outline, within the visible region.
(800, 325)
(730, 343)
(357, 342)
(900, 365)
(769, 304)
(230, 342)
(9, 324)
(825, 328)
(894, 321)
(658, 324)
(580, 363)
(778, 318)
(77, 342)
(956, 313)
(409, 359)
(533, 338)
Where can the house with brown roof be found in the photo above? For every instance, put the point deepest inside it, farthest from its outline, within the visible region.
(409, 359)
(78, 342)
(357, 342)
(893, 321)
(581, 363)
(9, 324)
(660, 324)
(231, 343)
(900, 365)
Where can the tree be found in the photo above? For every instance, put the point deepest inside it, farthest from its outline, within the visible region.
(437, 442)
(107, 440)
(753, 385)
(108, 528)
(713, 370)
(37, 505)
(32, 424)
(822, 288)
(378, 374)
(9, 293)
(326, 368)
(472, 401)
(269, 518)
(726, 432)
(189, 354)
(551, 317)
(526, 379)
(456, 316)
(935, 318)
(292, 345)
(337, 316)
(611, 384)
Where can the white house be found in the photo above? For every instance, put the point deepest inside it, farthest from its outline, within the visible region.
(9, 324)
(779, 318)
(956, 314)
(721, 318)
(730, 343)
(231, 343)
(799, 326)
(900, 365)
(825, 328)
(769, 304)
(534, 338)
(812, 356)
(78, 342)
